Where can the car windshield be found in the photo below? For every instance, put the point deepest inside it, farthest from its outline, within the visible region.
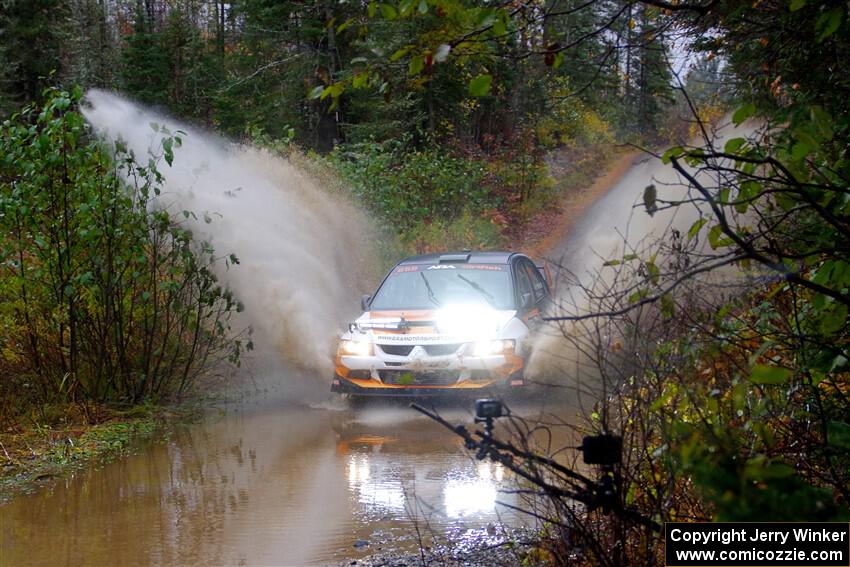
(431, 286)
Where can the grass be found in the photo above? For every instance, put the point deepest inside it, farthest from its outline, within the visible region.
(33, 455)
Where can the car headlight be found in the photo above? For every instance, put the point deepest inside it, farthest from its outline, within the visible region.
(355, 348)
(487, 348)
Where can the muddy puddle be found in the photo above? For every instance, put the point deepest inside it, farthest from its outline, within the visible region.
(270, 484)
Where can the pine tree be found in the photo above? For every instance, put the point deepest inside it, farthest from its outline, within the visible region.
(31, 32)
(145, 71)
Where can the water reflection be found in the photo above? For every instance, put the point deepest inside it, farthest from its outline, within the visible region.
(443, 479)
(275, 486)
(377, 493)
(474, 494)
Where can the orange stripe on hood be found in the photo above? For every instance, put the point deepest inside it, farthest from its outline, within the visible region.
(409, 315)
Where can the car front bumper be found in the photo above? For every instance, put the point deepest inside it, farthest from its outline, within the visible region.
(372, 387)
(438, 375)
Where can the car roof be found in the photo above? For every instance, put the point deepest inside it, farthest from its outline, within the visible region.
(462, 257)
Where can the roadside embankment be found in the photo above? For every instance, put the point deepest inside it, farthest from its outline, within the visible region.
(579, 185)
(33, 455)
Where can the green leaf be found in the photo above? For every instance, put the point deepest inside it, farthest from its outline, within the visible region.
(695, 228)
(796, 5)
(652, 271)
(743, 113)
(480, 85)
(763, 374)
(423, 6)
(829, 22)
(400, 53)
(416, 65)
(167, 151)
(748, 190)
(360, 80)
(839, 434)
(761, 468)
(717, 239)
(486, 18)
(734, 145)
(405, 8)
(833, 319)
(800, 151)
(668, 305)
(344, 25)
(670, 391)
(612, 263)
(822, 121)
(388, 12)
(335, 91)
(649, 196)
(316, 92)
(675, 151)
(559, 59)
(499, 28)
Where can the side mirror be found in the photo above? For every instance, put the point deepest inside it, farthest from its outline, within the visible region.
(365, 301)
(526, 300)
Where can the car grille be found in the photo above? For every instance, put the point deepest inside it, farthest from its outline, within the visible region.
(397, 350)
(432, 350)
(438, 350)
(406, 378)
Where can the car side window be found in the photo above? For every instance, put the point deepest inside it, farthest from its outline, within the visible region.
(537, 283)
(523, 284)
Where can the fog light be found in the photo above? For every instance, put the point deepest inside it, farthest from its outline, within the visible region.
(355, 348)
(488, 348)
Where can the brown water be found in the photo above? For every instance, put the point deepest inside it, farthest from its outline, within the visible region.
(266, 485)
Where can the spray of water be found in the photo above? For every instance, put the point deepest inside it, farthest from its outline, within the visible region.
(616, 225)
(304, 251)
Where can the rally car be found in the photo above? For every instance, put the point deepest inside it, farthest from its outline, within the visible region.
(444, 323)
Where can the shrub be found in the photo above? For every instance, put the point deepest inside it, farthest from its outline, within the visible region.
(102, 297)
(570, 122)
(407, 187)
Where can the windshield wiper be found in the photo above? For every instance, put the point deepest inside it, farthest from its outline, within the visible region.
(477, 287)
(431, 295)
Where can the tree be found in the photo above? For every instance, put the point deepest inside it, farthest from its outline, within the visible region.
(30, 50)
(145, 69)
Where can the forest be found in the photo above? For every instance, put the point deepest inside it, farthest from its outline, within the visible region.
(443, 119)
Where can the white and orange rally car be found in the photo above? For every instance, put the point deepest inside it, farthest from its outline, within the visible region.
(444, 323)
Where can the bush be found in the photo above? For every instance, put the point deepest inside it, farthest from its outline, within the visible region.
(570, 122)
(469, 231)
(102, 297)
(407, 187)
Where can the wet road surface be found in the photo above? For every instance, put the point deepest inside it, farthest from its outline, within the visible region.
(268, 484)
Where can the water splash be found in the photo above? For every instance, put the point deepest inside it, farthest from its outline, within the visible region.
(614, 226)
(304, 251)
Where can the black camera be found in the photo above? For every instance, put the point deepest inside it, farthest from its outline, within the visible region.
(488, 409)
(604, 449)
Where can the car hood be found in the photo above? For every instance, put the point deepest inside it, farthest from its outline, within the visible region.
(459, 323)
